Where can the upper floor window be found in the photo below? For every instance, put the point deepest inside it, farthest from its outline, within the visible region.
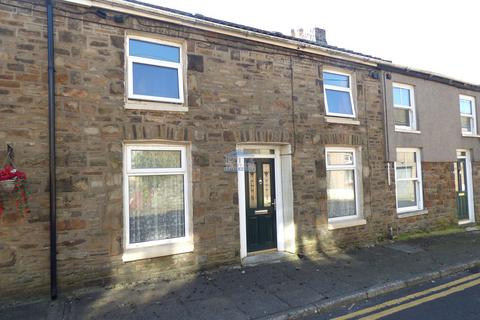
(467, 115)
(338, 94)
(404, 107)
(154, 70)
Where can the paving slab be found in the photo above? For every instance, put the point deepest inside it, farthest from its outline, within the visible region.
(278, 290)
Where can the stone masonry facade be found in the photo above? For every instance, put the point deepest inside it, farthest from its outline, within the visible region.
(238, 91)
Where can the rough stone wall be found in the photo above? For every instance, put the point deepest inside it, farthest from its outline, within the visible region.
(24, 239)
(439, 199)
(238, 91)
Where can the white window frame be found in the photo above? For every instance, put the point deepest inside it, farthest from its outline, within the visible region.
(472, 117)
(411, 109)
(353, 167)
(149, 249)
(154, 62)
(338, 88)
(418, 180)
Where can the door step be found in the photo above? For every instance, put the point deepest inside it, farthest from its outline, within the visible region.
(268, 257)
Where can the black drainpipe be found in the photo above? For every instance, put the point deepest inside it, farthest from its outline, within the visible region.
(51, 145)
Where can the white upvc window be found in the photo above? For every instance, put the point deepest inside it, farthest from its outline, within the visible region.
(342, 184)
(157, 219)
(337, 90)
(404, 107)
(467, 115)
(408, 180)
(154, 70)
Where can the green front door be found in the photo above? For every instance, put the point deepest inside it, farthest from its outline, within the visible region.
(260, 204)
(461, 188)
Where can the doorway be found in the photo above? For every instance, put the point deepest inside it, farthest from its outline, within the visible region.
(260, 204)
(265, 199)
(464, 188)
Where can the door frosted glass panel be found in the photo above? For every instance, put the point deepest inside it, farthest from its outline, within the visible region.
(339, 102)
(267, 185)
(154, 159)
(341, 193)
(252, 189)
(156, 207)
(155, 81)
(406, 193)
(151, 50)
(402, 117)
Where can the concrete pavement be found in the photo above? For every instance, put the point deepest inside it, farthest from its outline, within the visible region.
(281, 290)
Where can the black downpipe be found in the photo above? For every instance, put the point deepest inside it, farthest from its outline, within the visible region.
(51, 145)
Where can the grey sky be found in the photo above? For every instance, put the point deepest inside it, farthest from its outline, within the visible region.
(439, 36)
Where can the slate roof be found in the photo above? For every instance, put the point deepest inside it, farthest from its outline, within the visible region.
(252, 29)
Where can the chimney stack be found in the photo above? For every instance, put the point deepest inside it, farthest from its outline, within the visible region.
(317, 35)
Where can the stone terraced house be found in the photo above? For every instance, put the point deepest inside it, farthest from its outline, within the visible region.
(185, 142)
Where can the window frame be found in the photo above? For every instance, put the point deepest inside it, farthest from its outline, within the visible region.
(473, 116)
(411, 109)
(154, 62)
(418, 179)
(338, 88)
(129, 172)
(353, 167)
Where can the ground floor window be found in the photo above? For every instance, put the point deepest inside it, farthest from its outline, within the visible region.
(408, 180)
(156, 195)
(342, 183)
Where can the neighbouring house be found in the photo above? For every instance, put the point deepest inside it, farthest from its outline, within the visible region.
(433, 146)
(185, 142)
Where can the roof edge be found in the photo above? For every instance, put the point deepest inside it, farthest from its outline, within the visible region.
(427, 75)
(146, 11)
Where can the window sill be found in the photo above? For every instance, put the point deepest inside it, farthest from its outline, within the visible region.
(157, 251)
(347, 223)
(340, 120)
(408, 214)
(156, 106)
(407, 131)
(469, 135)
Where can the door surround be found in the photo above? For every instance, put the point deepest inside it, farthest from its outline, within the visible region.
(469, 179)
(285, 227)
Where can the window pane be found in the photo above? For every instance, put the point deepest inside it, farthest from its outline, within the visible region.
(406, 170)
(465, 106)
(402, 117)
(339, 102)
(152, 50)
(335, 79)
(406, 156)
(156, 207)
(151, 159)
(341, 193)
(401, 97)
(406, 194)
(339, 158)
(406, 165)
(466, 124)
(155, 81)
